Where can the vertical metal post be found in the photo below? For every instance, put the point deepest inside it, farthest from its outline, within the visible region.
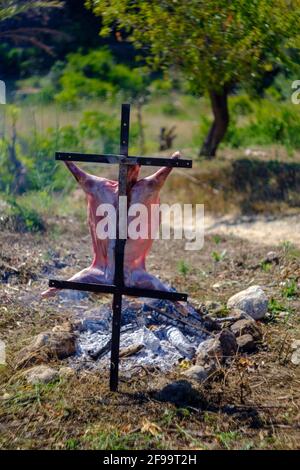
(119, 253)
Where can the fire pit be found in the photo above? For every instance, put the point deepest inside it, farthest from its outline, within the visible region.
(153, 334)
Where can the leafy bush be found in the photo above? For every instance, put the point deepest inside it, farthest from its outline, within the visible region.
(170, 109)
(261, 122)
(240, 106)
(43, 171)
(100, 130)
(96, 74)
(19, 217)
(96, 133)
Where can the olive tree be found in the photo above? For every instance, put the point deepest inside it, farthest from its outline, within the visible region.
(217, 44)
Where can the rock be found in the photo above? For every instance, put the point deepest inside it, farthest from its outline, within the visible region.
(6, 396)
(78, 325)
(92, 322)
(66, 326)
(228, 342)
(46, 346)
(237, 314)
(242, 327)
(210, 324)
(295, 346)
(196, 373)
(255, 153)
(252, 301)
(40, 374)
(296, 357)
(217, 285)
(208, 351)
(66, 372)
(211, 367)
(181, 393)
(246, 343)
(272, 257)
(283, 314)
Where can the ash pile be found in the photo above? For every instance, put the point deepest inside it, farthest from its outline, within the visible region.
(153, 333)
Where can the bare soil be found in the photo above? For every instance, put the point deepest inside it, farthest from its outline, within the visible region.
(253, 403)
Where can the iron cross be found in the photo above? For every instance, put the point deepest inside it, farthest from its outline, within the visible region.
(118, 289)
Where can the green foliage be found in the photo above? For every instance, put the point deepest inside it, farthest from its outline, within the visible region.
(96, 132)
(287, 246)
(228, 439)
(240, 106)
(290, 250)
(275, 307)
(171, 109)
(161, 87)
(43, 171)
(216, 43)
(102, 129)
(216, 239)
(116, 440)
(6, 176)
(266, 266)
(72, 444)
(290, 289)
(262, 122)
(97, 75)
(22, 218)
(216, 256)
(101, 132)
(11, 8)
(280, 90)
(183, 267)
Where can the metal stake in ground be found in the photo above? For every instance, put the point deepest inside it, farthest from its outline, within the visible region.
(118, 289)
(119, 252)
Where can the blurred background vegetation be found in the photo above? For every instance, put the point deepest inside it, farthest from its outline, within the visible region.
(215, 76)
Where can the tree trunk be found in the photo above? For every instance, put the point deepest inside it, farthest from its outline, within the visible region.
(220, 123)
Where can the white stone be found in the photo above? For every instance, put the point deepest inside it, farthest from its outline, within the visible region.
(253, 301)
(196, 373)
(295, 344)
(6, 396)
(208, 350)
(296, 357)
(40, 374)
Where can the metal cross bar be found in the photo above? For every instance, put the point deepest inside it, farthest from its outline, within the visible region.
(118, 289)
(112, 289)
(114, 159)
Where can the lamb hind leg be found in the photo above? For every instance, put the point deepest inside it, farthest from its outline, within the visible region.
(143, 280)
(90, 275)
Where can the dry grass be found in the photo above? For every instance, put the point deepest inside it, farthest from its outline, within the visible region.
(253, 403)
